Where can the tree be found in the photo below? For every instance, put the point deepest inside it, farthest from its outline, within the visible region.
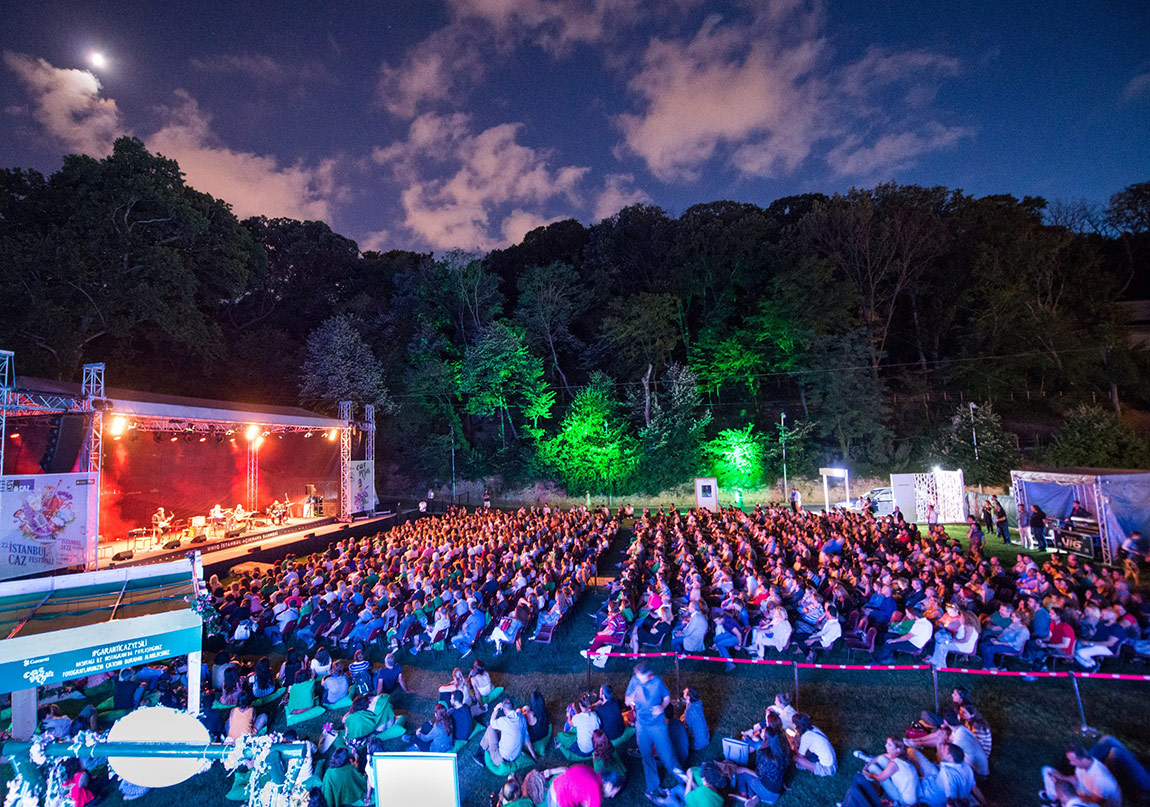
(499, 372)
(997, 449)
(639, 332)
(673, 440)
(549, 301)
(339, 366)
(1093, 438)
(593, 449)
(736, 456)
(106, 255)
(846, 399)
(882, 240)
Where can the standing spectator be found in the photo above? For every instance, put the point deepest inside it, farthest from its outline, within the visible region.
(975, 536)
(1001, 525)
(1037, 523)
(649, 697)
(695, 721)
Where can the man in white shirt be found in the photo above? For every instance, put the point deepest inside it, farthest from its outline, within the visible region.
(828, 633)
(1092, 780)
(504, 736)
(951, 779)
(914, 639)
(815, 752)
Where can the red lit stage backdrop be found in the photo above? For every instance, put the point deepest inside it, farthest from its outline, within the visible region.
(189, 478)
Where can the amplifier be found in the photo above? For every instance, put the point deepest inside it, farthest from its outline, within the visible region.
(125, 555)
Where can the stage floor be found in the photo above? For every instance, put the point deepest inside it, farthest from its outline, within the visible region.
(146, 551)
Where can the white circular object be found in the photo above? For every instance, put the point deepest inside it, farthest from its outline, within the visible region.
(158, 724)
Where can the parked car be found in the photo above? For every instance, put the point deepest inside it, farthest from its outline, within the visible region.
(881, 499)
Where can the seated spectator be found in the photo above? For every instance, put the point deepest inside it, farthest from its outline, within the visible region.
(1010, 641)
(584, 723)
(262, 682)
(765, 782)
(914, 639)
(461, 717)
(480, 682)
(469, 632)
(438, 735)
(1105, 643)
(954, 732)
(610, 712)
(1060, 644)
(389, 677)
(1091, 779)
(604, 756)
(774, 633)
(612, 632)
(705, 786)
(458, 683)
(243, 720)
(693, 635)
(694, 719)
(1132, 776)
(343, 785)
(829, 632)
(506, 735)
(815, 752)
(359, 670)
(728, 634)
(890, 775)
(320, 665)
(538, 721)
(336, 685)
(957, 634)
(952, 778)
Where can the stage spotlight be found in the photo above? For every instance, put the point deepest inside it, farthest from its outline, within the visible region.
(308, 434)
(203, 438)
(116, 426)
(230, 432)
(175, 438)
(331, 435)
(280, 435)
(252, 432)
(15, 435)
(259, 441)
(265, 434)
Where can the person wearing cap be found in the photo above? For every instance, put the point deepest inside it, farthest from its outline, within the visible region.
(649, 697)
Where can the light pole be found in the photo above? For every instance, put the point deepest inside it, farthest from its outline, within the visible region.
(973, 432)
(783, 440)
(453, 463)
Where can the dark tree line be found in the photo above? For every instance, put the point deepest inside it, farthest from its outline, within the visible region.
(629, 354)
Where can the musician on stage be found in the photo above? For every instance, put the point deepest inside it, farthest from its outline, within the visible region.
(1078, 511)
(161, 522)
(217, 517)
(277, 512)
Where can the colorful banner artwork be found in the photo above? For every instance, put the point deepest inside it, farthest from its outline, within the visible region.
(363, 498)
(44, 523)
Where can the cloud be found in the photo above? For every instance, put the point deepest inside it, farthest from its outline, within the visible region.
(1136, 88)
(254, 185)
(474, 190)
(68, 105)
(617, 193)
(764, 96)
(453, 60)
(440, 68)
(891, 152)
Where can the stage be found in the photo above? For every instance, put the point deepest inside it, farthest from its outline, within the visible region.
(219, 550)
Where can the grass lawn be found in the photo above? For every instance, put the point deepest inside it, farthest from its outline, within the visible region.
(857, 709)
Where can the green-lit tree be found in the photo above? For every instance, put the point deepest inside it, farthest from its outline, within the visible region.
(593, 448)
(500, 374)
(1093, 438)
(673, 441)
(997, 449)
(736, 456)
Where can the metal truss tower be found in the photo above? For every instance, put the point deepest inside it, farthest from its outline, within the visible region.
(345, 414)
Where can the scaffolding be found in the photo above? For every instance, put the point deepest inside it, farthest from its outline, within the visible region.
(93, 391)
(345, 414)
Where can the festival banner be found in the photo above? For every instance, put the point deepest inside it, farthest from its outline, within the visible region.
(363, 498)
(44, 523)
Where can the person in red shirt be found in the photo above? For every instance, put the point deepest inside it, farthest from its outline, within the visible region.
(1062, 640)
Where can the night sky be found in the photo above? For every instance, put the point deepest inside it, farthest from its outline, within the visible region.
(433, 124)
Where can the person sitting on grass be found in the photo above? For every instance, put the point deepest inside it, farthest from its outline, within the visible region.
(343, 785)
(814, 752)
(243, 720)
(610, 712)
(458, 683)
(705, 786)
(891, 776)
(604, 756)
(584, 723)
(336, 685)
(437, 735)
(951, 779)
(389, 677)
(1091, 779)
(461, 717)
(506, 735)
(766, 782)
(538, 721)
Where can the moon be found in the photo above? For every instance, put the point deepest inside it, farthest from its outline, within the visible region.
(97, 60)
